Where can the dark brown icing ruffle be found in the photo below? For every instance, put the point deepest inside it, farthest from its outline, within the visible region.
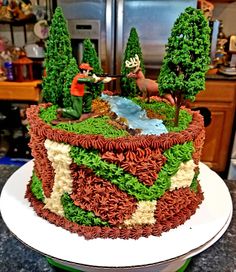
(183, 212)
(174, 202)
(198, 145)
(42, 166)
(117, 145)
(98, 195)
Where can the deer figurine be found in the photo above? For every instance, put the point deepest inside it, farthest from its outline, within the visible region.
(147, 87)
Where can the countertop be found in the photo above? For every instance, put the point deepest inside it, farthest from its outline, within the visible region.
(215, 74)
(219, 76)
(15, 256)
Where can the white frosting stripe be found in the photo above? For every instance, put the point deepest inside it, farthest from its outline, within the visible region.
(184, 176)
(58, 154)
(145, 210)
(143, 215)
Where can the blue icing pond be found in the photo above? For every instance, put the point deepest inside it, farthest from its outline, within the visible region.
(135, 115)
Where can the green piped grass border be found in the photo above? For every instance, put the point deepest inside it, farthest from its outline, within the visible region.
(94, 126)
(48, 114)
(101, 126)
(167, 112)
(194, 184)
(76, 214)
(36, 187)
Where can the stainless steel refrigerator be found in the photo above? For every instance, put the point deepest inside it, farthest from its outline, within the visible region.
(108, 23)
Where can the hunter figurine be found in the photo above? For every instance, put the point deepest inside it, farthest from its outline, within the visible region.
(81, 94)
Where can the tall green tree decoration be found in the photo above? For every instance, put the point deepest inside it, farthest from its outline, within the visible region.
(187, 58)
(90, 56)
(57, 59)
(128, 85)
(69, 73)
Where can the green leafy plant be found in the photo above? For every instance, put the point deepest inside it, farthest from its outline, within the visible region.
(187, 58)
(128, 85)
(168, 114)
(90, 56)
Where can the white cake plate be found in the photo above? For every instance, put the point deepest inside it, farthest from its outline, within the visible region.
(165, 253)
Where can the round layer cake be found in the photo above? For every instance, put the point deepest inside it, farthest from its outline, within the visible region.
(125, 186)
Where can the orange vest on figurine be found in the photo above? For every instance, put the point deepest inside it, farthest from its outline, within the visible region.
(77, 89)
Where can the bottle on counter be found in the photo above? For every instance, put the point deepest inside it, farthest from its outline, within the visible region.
(9, 70)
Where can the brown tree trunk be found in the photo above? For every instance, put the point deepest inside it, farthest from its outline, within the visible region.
(177, 108)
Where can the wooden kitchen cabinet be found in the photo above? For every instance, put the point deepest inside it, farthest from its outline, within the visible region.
(220, 98)
(20, 91)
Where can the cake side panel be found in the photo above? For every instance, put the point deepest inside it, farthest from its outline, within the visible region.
(173, 221)
(140, 201)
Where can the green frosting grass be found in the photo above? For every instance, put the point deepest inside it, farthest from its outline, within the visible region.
(194, 184)
(72, 212)
(78, 215)
(168, 112)
(96, 126)
(48, 114)
(36, 188)
(100, 125)
(128, 183)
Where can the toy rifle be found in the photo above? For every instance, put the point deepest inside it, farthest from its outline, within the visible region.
(112, 76)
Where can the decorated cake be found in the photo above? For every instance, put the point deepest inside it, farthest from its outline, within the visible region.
(112, 166)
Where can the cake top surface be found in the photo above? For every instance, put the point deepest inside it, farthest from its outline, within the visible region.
(73, 87)
(118, 117)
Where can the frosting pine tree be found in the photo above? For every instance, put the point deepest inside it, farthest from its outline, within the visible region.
(70, 73)
(57, 60)
(128, 85)
(90, 56)
(187, 58)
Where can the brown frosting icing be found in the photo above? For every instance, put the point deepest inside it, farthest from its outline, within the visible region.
(100, 196)
(183, 212)
(42, 165)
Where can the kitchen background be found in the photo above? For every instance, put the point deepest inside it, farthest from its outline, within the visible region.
(107, 23)
(223, 10)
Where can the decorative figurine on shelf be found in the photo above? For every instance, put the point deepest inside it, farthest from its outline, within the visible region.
(23, 68)
(6, 59)
(2, 75)
(147, 86)
(221, 54)
(81, 94)
(20, 10)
